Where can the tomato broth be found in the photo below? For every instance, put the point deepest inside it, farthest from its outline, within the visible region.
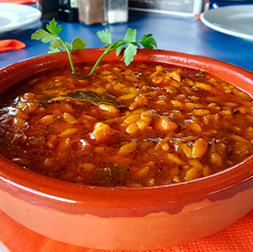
(142, 125)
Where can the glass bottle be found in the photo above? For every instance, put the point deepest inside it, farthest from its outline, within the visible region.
(103, 11)
(68, 10)
(92, 11)
(116, 11)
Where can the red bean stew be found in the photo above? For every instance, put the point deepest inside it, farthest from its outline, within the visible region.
(137, 126)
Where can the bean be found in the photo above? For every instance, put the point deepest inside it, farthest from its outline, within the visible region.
(164, 124)
(199, 148)
(68, 132)
(69, 118)
(127, 149)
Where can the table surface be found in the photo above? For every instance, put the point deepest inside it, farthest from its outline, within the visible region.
(184, 34)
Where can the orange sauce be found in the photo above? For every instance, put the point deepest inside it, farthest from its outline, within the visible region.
(148, 125)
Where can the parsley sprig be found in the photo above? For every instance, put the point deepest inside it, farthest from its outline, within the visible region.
(129, 42)
(51, 35)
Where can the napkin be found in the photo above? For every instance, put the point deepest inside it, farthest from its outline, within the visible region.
(19, 1)
(236, 238)
(11, 44)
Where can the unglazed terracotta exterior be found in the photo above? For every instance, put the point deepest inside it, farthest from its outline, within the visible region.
(126, 218)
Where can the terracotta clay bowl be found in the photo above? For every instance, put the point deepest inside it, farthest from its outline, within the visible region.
(126, 218)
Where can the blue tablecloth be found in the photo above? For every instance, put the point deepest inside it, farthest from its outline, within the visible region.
(185, 34)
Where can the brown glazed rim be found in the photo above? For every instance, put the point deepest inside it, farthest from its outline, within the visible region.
(113, 201)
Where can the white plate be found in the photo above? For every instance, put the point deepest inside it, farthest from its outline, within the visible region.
(236, 20)
(14, 16)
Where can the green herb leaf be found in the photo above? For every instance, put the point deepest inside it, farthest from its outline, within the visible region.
(53, 50)
(53, 28)
(130, 35)
(91, 97)
(56, 43)
(105, 36)
(118, 50)
(78, 43)
(43, 35)
(129, 54)
(128, 41)
(60, 45)
(51, 35)
(147, 41)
